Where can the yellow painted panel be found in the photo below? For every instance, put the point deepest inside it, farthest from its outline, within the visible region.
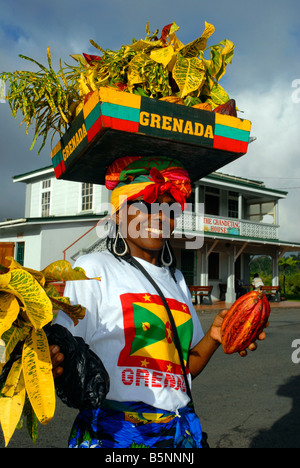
(90, 104)
(114, 96)
(233, 122)
(56, 149)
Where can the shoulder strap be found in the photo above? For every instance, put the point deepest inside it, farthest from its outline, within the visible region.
(137, 264)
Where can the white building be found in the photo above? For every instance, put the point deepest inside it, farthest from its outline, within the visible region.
(241, 219)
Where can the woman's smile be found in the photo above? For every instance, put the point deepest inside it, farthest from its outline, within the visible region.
(146, 231)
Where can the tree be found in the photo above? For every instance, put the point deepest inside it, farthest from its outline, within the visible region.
(286, 263)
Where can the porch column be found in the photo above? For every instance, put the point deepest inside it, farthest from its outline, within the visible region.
(275, 268)
(230, 295)
(204, 266)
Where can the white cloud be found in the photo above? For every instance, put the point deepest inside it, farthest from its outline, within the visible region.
(274, 156)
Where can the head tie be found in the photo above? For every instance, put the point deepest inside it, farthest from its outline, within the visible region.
(132, 177)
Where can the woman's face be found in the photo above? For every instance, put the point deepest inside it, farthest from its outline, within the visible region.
(147, 227)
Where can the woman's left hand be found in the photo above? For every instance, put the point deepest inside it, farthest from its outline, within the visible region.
(215, 333)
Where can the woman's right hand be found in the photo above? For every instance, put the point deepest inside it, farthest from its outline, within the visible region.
(57, 358)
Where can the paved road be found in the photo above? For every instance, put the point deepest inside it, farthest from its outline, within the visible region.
(242, 402)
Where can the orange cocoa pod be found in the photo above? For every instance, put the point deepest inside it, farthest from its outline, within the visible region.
(244, 321)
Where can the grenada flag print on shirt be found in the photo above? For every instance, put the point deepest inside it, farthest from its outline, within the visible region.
(148, 333)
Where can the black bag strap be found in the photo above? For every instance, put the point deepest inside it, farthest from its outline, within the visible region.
(137, 264)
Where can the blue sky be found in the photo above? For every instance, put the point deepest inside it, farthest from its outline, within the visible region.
(266, 63)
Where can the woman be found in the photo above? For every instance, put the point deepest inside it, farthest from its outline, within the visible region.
(127, 323)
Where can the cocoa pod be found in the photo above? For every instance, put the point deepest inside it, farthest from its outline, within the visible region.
(244, 321)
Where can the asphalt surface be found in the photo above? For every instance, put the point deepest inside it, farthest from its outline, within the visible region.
(251, 402)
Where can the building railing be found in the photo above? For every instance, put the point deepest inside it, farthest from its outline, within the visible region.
(190, 223)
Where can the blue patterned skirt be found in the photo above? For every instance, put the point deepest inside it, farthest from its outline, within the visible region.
(135, 425)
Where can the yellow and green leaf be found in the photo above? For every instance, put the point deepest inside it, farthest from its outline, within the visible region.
(9, 310)
(218, 95)
(12, 379)
(75, 312)
(11, 409)
(135, 69)
(163, 55)
(221, 55)
(31, 420)
(14, 265)
(37, 369)
(4, 279)
(193, 48)
(61, 270)
(37, 305)
(189, 74)
(12, 337)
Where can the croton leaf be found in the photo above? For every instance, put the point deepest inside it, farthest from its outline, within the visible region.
(37, 370)
(32, 296)
(136, 69)
(38, 275)
(193, 48)
(61, 270)
(11, 338)
(5, 279)
(9, 310)
(163, 55)
(221, 54)
(168, 30)
(189, 74)
(11, 408)
(218, 95)
(76, 312)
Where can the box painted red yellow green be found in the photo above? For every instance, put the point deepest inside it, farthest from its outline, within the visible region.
(113, 124)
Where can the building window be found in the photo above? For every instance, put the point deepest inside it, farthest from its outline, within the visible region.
(262, 212)
(46, 184)
(212, 201)
(233, 204)
(20, 252)
(87, 197)
(46, 197)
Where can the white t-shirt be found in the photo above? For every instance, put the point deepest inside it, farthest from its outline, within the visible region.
(127, 326)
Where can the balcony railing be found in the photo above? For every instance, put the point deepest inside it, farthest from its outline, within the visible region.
(188, 225)
(197, 224)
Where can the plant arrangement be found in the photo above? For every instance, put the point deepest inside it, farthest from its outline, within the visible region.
(28, 300)
(156, 67)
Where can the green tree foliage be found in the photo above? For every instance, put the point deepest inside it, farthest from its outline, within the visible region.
(289, 273)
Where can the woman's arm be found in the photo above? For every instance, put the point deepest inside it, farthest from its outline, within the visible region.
(203, 351)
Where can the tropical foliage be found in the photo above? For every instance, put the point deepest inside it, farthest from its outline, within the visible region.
(157, 67)
(289, 273)
(27, 302)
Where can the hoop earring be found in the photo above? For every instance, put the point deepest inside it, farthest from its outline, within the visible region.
(115, 245)
(165, 263)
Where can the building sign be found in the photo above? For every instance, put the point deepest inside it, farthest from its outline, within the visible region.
(221, 226)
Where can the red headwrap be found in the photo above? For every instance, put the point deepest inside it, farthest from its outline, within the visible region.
(132, 177)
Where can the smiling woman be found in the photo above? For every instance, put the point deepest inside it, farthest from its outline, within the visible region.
(148, 194)
(146, 232)
(140, 320)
